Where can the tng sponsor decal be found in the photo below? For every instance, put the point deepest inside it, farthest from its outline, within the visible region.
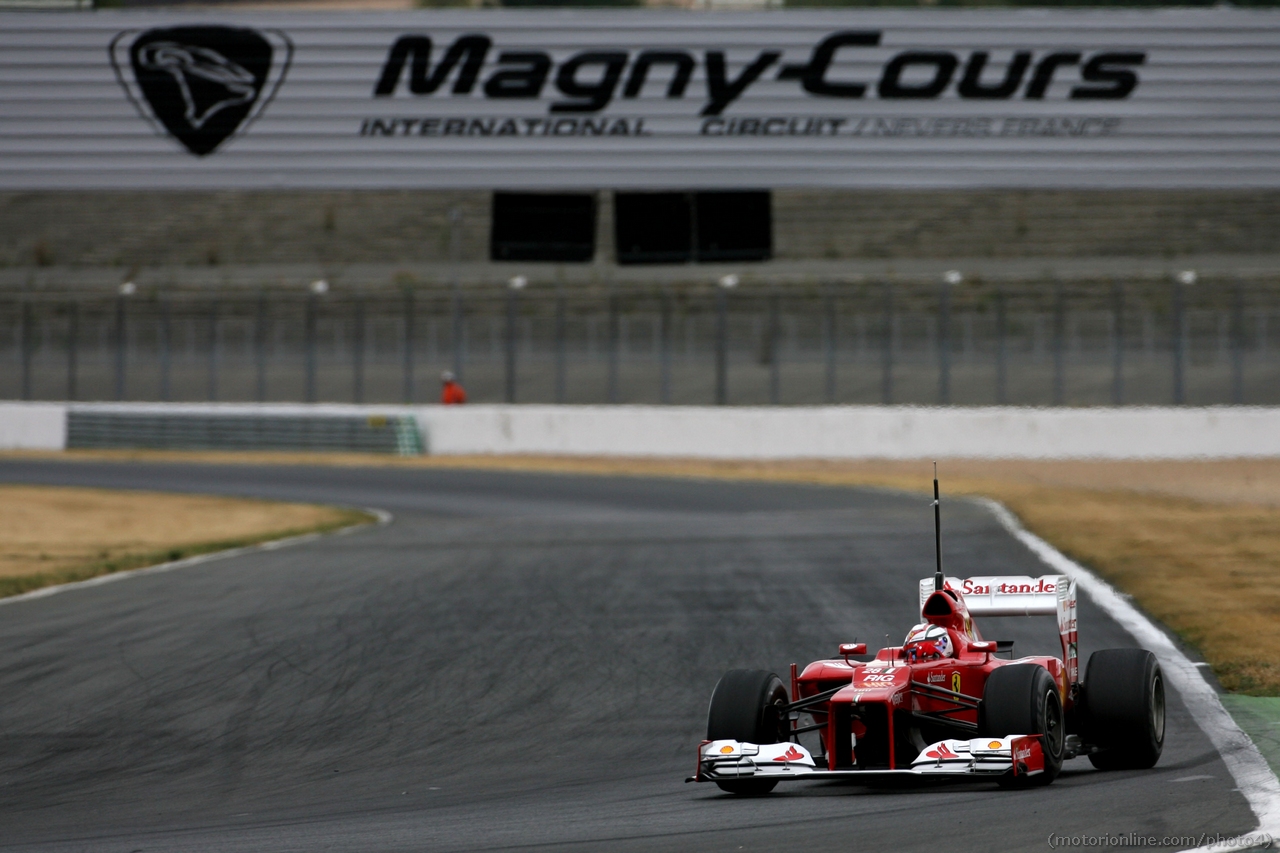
(201, 84)
(587, 83)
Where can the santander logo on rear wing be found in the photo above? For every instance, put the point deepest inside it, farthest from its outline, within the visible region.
(1019, 595)
(1008, 596)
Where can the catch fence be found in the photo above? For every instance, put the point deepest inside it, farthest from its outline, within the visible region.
(1037, 343)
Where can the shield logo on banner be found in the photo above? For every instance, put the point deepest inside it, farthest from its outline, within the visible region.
(201, 84)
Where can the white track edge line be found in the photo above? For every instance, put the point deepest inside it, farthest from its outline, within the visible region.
(1254, 776)
(381, 518)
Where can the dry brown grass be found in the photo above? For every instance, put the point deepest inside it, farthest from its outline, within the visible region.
(1254, 481)
(1196, 543)
(55, 534)
(1208, 571)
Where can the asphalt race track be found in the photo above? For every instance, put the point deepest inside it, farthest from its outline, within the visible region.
(518, 661)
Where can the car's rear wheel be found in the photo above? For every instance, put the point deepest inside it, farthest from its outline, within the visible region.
(747, 706)
(1023, 699)
(1124, 709)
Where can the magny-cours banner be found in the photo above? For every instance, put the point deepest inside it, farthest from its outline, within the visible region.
(640, 99)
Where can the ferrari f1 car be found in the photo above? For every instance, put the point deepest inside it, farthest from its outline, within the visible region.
(942, 704)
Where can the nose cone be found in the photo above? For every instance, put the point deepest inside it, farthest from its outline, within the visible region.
(875, 684)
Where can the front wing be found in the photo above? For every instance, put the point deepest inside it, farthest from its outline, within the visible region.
(729, 760)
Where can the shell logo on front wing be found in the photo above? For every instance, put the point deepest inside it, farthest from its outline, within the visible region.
(726, 750)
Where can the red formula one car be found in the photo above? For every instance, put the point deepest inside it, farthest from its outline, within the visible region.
(942, 704)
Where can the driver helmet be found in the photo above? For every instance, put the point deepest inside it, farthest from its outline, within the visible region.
(928, 642)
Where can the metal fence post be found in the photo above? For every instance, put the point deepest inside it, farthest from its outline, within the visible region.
(774, 333)
(309, 347)
(944, 344)
(829, 345)
(1237, 345)
(727, 283)
(260, 347)
(357, 351)
(408, 389)
(457, 319)
(613, 346)
(213, 351)
(1117, 344)
(664, 346)
(1002, 349)
(73, 341)
(559, 343)
(28, 333)
(1176, 342)
(514, 287)
(722, 346)
(886, 355)
(120, 346)
(165, 344)
(1059, 342)
(509, 349)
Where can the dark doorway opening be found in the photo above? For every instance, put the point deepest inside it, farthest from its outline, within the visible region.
(734, 226)
(653, 228)
(707, 227)
(543, 227)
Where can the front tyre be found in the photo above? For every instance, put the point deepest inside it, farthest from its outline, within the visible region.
(747, 706)
(1124, 709)
(1023, 699)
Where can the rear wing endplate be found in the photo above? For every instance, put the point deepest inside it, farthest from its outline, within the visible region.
(1050, 595)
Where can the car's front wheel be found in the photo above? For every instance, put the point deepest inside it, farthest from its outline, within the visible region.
(1023, 699)
(747, 706)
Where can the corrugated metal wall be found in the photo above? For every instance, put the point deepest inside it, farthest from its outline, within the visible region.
(1105, 99)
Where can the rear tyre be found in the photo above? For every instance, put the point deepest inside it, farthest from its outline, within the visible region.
(1023, 699)
(747, 706)
(1124, 709)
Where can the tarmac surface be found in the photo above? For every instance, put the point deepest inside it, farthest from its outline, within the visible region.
(518, 661)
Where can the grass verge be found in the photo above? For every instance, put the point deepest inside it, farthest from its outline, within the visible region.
(1205, 570)
(53, 534)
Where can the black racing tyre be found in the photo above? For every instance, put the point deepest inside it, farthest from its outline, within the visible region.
(1023, 699)
(746, 706)
(1124, 709)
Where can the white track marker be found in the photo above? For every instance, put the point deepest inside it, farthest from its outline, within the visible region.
(381, 516)
(1252, 773)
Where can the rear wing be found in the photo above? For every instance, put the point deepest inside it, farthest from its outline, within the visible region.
(1051, 595)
